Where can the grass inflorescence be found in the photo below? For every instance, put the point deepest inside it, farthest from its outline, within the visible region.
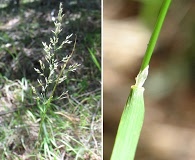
(59, 116)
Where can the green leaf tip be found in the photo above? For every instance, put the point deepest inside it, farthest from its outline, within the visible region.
(141, 77)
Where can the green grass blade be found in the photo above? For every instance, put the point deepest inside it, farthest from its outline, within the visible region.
(130, 126)
(95, 61)
(133, 115)
(131, 121)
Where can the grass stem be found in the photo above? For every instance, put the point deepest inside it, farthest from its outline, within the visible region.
(155, 34)
(133, 115)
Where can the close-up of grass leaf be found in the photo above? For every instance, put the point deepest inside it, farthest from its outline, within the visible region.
(133, 115)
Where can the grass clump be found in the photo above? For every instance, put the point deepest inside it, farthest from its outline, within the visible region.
(56, 119)
(53, 73)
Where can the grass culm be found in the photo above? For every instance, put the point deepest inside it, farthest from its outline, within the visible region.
(52, 72)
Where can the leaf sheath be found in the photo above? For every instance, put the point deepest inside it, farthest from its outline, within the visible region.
(130, 126)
